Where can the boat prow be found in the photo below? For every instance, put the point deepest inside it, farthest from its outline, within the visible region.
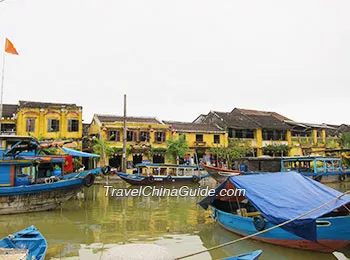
(220, 174)
(28, 243)
(247, 256)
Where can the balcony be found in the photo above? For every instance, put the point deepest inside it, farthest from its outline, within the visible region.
(8, 133)
(199, 143)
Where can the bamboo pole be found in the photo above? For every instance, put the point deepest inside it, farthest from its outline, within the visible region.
(2, 88)
(124, 137)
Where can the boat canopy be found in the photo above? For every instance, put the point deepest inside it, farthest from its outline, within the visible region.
(281, 197)
(162, 165)
(76, 153)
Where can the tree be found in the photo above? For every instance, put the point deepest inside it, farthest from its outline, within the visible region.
(176, 147)
(235, 149)
(276, 149)
(345, 139)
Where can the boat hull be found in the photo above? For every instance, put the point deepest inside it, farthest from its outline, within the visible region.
(38, 197)
(329, 238)
(29, 239)
(135, 179)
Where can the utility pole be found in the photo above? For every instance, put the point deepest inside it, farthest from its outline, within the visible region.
(124, 138)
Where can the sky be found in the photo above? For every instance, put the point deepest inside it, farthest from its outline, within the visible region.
(177, 59)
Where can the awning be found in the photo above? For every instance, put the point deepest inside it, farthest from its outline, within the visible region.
(76, 153)
(283, 196)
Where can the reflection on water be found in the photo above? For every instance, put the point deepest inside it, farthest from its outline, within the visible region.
(87, 225)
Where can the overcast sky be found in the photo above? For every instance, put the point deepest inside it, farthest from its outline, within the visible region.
(177, 59)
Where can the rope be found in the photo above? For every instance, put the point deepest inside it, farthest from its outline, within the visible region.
(263, 231)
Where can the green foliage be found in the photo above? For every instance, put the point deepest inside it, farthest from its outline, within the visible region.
(77, 164)
(345, 139)
(276, 149)
(176, 147)
(154, 151)
(99, 146)
(235, 149)
(41, 137)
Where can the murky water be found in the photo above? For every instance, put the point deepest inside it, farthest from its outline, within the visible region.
(87, 226)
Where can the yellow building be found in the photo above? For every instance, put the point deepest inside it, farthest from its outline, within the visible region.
(146, 138)
(200, 137)
(49, 120)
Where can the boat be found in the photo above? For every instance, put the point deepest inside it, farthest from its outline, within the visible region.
(247, 256)
(25, 244)
(271, 199)
(220, 174)
(150, 173)
(30, 183)
(322, 169)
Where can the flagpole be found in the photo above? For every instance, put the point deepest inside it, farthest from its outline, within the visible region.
(2, 87)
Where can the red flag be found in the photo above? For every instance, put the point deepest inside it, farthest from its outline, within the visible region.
(10, 48)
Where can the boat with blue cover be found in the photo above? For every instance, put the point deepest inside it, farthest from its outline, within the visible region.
(152, 173)
(247, 256)
(25, 244)
(30, 182)
(272, 199)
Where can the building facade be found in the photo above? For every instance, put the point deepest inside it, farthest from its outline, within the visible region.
(145, 136)
(45, 121)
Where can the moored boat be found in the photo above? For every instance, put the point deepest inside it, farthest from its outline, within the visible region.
(273, 199)
(322, 169)
(247, 256)
(26, 244)
(163, 173)
(30, 183)
(220, 174)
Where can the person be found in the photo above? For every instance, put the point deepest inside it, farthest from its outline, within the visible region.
(191, 161)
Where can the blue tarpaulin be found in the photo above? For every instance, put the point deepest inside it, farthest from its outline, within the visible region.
(76, 153)
(283, 196)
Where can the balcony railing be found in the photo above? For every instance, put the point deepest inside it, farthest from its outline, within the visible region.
(199, 143)
(8, 133)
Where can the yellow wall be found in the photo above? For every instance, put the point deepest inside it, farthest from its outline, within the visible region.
(208, 139)
(41, 122)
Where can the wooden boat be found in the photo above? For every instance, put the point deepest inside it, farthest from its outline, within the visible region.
(248, 256)
(220, 174)
(37, 183)
(325, 230)
(25, 244)
(163, 173)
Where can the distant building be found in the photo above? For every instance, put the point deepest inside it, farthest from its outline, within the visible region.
(258, 128)
(200, 137)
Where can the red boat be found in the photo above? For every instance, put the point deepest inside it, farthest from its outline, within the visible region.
(220, 174)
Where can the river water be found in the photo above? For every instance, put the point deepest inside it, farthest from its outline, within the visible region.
(86, 226)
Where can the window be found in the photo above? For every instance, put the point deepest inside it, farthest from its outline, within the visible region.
(114, 135)
(30, 124)
(73, 125)
(159, 137)
(53, 125)
(274, 135)
(216, 139)
(242, 133)
(131, 136)
(144, 136)
(199, 138)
